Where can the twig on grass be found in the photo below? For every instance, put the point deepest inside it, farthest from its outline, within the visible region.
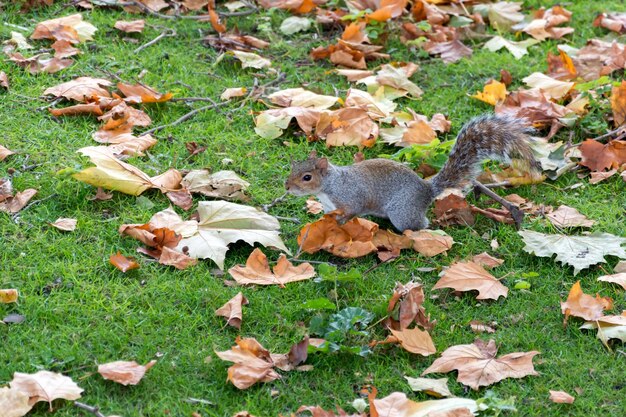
(185, 117)
(16, 216)
(370, 269)
(288, 219)
(620, 128)
(93, 410)
(167, 32)
(267, 207)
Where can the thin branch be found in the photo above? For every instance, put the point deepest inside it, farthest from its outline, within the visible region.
(29, 205)
(185, 117)
(311, 262)
(611, 133)
(266, 207)
(91, 409)
(168, 32)
(288, 219)
(192, 99)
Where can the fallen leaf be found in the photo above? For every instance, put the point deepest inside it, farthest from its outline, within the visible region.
(4, 152)
(14, 319)
(618, 103)
(123, 263)
(469, 276)
(226, 185)
(579, 304)
(561, 397)
(430, 242)
(134, 26)
(124, 372)
(578, 251)
(415, 341)
(398, 405)
(609, 327)
(409, 309)
(233, 92)
(271, 123)
(619, 278)
(493, 92)
(620, 267)
(70, 28)
(81, 89)
(611, 21)
(19, 41)
(487, 261)
(45, 386)
(502, 15)
(252, 60)
(8, 296)
(518, 49)
(41, 63)
(221, 223)
(478, 327)
(449, 52)
(176, 259)
(398, 77)
(13, 402)
(350, 240)
(299, 97)
(113, 174)
(545, 22)
(451, 209)
(565, 216)
(295, 24)
(4, 80)
(597, 177)
(101, 195)
(313, 206)
(13, 204)
(478, 366)
(257, 271)
(142, 94)
(552, 88)
(67, 225)
(64, 49)
(347, 127)
(435, 387)
(232, 310)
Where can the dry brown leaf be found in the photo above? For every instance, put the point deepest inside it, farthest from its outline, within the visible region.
(598, 157)
(561, 67)
(313, 206)
(134, 26)
(81, 89)
(41, 63)
(430, 242)
(469, 276)
(226, 185)
(494, 92)
(8, 296)
(619, 278)
(13, 204)
(13, 403)
(101, 195)
(123, 263)
(620, 267)
(4, 152)
(478, 327)
(410, 308)
(478, 366)
(175, 258)
(550, 87)
(449, 52)
(611, 21)
(233, 92)
(124, 372)
(415, 341)
(596, 177)
(4, 80)
(65, 224)
(350, 240)
(64, 49)
(618, 103)
(257, 271)
(451, 209)
(142, 94)
(347, 127)
(565, 216)
(45, 386)
(487, 261)
(90, 108)
(70, 28)
(299, 97)
(232, 310)
(579, 304)
(561, 397)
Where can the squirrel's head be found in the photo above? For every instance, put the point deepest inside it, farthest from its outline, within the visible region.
(306, 176)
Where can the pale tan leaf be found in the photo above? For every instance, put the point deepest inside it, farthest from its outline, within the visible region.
(4, 152)
(232, 310)
(71, 28)
(19, 41)
(415, 341)
(252, 60)
(468, 276)
(257, 271)
(478, 366)
(13, 402)
(398, 405)
(45, 386)
(222, 184)
(313, 206)
(4, 83)
(435, 387)
(561, 397)
(299, 97)
(609, 327)
(124, 372)
(233, 92)
(518, 49)
(583, 305)
(176, 259)
(134, 26)
(487, 261)
(81, 89)
(566, 216)
(347, 127)
(478, 327)
(13, 204)
(397, 78)
(8, 296)
(552, 88)
(430, 242)
(596, 176)
(65, 224)
(619, 279)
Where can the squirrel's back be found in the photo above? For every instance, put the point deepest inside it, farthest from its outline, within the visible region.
(498, 137)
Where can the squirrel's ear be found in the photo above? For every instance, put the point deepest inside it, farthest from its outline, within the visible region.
(313, 155)
(321, 164)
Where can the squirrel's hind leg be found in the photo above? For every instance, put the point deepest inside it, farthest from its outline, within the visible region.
(404, 219)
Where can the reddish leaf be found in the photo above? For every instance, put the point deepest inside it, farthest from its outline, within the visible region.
(123, 263)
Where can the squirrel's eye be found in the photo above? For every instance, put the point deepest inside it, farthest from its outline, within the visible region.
(307, 177)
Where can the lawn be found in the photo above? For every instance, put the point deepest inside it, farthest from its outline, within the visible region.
(80, 311)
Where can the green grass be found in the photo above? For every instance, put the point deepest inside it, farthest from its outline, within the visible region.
(80, 311)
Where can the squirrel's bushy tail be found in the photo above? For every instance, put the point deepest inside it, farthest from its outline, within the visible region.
(497, 137)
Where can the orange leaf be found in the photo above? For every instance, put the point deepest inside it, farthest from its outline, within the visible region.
(561, 397)
(468, 276)
(257, 271)
(8, 296)
(415, 341)
(618, 104)
(232, 310)
(579, 304)
(351, 240)
(598, 157)
(142, 94)
(123, 263)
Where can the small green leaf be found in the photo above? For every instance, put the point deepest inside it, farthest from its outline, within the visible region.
(522, 285)
(319, 304)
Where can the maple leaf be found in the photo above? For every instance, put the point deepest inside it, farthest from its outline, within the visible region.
(40, 63)
(271, 123)
(45, 386)
(449, 52)
(347, 127)
(134, 26)
(113, 174)
(70, 28)
(545, 22)
(451, 209)
(578, 251)
(609, 327)
(487, 261)
(221, 223)
(398, 77)
(552, 88)
(415, 341)
(252, 60)
(561, 66)
(8, 296)
(478, 327)
(4, 81)
(232, 310)
(299, 97)
(493, 92)
(619, 278)
(65, 224)
(409, 309)
(13, 402)
(142, 94)
(468, 276)
(81, 89)
(518, 49)
(611, 21)
(435, 387)
(64, 49)
(4, 152)
(10, 203)
(502, 15)
(579, 304)
(618, 103)
(313, 206)
(222, 184)
(430, 242)
(123, 263)
(566, 216)
(561, 397)
(350, 240)
(478, 365)
(257, 271)
(398, 405)
(124, 372)
(598, 157)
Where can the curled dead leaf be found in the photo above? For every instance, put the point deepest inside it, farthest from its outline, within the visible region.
(257, 271)
(124, 372)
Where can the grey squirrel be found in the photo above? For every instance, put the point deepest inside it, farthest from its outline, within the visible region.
(388, 189)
